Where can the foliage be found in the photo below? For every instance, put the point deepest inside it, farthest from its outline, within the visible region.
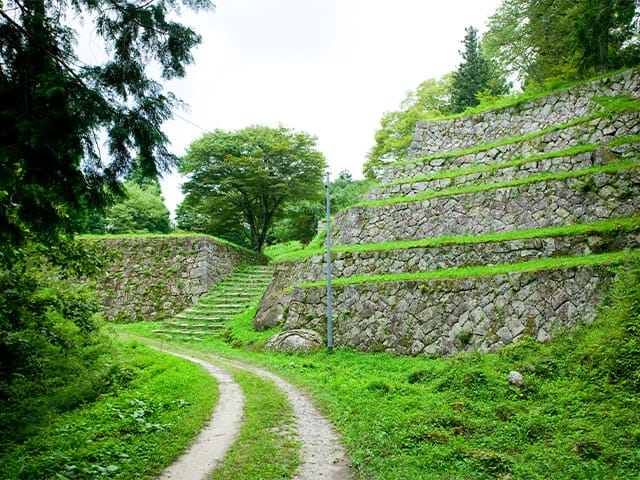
(541, 40)
(49, 335)
(243, 180)
(54, 107)
(149, 408)
(143, 211)
(430, 100)
(475, 75)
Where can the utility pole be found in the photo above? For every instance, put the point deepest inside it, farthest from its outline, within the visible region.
(329, 303)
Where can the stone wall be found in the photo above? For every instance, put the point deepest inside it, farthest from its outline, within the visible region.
(540, 204)
(531, 183)
(526, 117)
(154, 277)
(598, 131)
(442, 317)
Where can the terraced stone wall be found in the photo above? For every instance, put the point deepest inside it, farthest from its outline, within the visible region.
(155, 277)
(442, 317)
(558, 161)
(530, 116)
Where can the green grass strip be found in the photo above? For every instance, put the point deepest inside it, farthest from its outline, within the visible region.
(613, 106)
(486, 271)
(267, 447)
(497, 166)
(627, 224)
(543, 177)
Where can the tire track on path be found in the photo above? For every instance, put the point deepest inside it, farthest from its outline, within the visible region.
(210, 446)
(322, 454)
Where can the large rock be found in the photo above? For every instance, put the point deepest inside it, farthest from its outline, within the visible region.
(293, 341)
(271, 311)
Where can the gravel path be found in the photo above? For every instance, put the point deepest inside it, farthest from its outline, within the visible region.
(213, 441)
(322, 455)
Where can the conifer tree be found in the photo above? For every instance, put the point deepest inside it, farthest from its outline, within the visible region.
(474, 75)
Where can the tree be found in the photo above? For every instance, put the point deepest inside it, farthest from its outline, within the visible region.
(53, 108)
(244, 179)
(540, 40)
(143, 211)
(394, 138)
(474, 76)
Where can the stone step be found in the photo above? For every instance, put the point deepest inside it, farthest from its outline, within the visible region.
(517, 169)
(590, 132)
(202, 318)
(544, 203)
(184, 332)
(211, 326)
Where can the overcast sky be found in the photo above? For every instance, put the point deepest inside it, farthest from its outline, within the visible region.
(330, 68)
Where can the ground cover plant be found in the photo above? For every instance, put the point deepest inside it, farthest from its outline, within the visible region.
(434, 418)
(150, 408)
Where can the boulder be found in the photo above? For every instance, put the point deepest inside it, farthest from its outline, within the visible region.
(271, 312)
(293, 341)
(516, 379)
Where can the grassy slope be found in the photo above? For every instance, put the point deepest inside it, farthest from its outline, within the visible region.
(153, 408)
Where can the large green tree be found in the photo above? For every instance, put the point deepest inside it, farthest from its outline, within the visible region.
(430, 100)
(241, 181)
(475, 75)
(54, 107)
(54, 111)
(539, 40)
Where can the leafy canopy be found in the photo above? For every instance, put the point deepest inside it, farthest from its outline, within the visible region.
(54, 107)
(240, 182)
(430, 100)
(542, 40)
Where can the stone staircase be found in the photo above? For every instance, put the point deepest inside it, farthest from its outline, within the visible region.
(505, 224)
(223, 302)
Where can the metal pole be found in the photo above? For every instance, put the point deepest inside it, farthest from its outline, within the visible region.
(329, 305)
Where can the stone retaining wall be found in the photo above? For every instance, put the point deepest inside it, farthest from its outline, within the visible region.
(532, 205)
(155, 277)
(443, 317)
(526, 117)
(557, 164)
(597, 131)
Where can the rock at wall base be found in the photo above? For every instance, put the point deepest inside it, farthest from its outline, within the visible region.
(294, 341)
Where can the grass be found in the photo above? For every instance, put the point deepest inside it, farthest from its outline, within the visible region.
(257, 454)
(485, 271)
(459, 418)
(543, 177)
(600, 227)
(130, 432)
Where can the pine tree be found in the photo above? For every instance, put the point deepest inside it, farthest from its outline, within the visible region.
(474, 75)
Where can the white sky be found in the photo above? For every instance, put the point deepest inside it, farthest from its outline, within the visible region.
(330, 68)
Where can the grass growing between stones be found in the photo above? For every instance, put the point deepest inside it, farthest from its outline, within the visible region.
(612, 106)
(486, 271)
(627, 224)
(140, 424)
(542, 177)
